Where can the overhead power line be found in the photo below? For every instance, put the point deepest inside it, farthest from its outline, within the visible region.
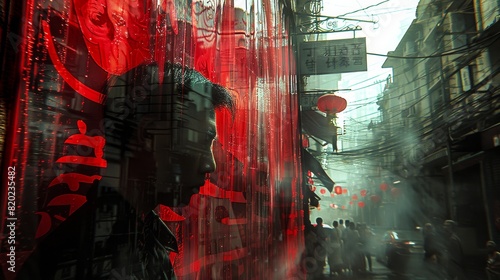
(462, 49)
(365, 8)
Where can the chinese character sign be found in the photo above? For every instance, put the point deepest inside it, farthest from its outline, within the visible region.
(333, 56)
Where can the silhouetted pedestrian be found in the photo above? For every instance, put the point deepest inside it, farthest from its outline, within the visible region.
(335, 254)
(493, 261)
(351, 248)
(320, 251)
(432, 253)
(366, 238)
(454, 255)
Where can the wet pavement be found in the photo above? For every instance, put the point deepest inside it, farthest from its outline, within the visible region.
(380, 271)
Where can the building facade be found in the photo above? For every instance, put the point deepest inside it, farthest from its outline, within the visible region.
(441, 115)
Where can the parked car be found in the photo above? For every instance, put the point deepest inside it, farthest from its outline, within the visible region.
(401, 250)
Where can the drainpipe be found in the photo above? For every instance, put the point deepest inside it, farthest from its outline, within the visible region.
(451, 193)
(479, 15)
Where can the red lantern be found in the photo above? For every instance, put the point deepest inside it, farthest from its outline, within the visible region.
(343, 207)
(344, 191)
(354, 197)
(338, 189)
(375, 198)
(361, 204)
(363, 193)
(331, 104)
(351, 202)
(322, 191)
(384, 187)
(332, 194)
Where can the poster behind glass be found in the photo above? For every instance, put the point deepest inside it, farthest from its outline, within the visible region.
(150, 140)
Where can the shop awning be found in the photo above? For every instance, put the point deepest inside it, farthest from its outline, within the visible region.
(316, 125)
(312, 164)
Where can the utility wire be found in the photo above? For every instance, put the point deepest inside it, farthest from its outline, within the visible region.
(364, 9)
(459, 50)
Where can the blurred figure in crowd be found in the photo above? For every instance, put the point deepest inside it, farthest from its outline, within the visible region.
(433, 253)
(308, 260)
(322, 245)
(366, 239)
(352, 250)
(343, 229)
(335, 254)
(454, 256)
(493, 261)
(430, 243)
(341, 225)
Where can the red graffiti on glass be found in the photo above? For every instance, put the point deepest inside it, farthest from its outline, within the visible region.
(71, 80)
(118, 37)
(96, 142)
(73, 180)
(117, 33)
(72, 200)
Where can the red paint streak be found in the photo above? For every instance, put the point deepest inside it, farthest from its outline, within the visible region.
(214, 191)
(229, 221)
(73, 180)
(167, 214)
(44, 225)
(74, 201)
(73, 82)
(91, 161)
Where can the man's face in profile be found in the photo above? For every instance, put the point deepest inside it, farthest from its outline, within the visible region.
(167, 130)
(192, 157)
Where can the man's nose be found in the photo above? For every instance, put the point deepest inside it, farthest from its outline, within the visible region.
(207, 163)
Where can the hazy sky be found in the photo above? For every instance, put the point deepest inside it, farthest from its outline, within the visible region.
(393, 18)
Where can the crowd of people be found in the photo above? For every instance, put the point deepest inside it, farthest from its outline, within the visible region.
(345, 247)
(444, 255)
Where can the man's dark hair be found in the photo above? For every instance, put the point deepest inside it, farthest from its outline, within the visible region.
(152, 84)
(192, 79)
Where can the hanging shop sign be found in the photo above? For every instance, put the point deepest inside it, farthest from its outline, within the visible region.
(466, 78)
(332, 56)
